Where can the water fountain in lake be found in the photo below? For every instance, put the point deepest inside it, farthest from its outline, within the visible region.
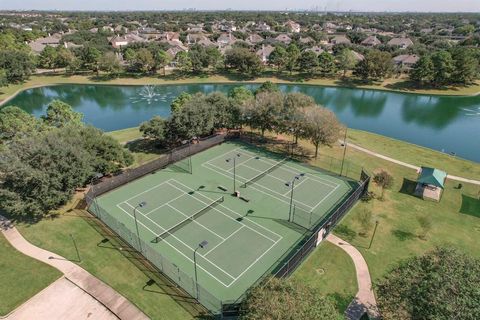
(472, 112)
(149, 94)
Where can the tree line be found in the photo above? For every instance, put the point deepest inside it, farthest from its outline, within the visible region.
(266, 109)
(44, 160)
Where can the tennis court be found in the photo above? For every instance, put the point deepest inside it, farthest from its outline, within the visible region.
(193, 219)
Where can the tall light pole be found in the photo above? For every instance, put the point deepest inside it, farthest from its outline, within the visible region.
(344, 150)
(140, 205)
(233, 159)
(202, 245)
(292, 185)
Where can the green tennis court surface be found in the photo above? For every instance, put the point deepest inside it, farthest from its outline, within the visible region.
(246, 237)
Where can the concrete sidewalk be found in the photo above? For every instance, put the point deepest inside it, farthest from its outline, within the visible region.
(364, 300)
(104, 294)
(408, 165)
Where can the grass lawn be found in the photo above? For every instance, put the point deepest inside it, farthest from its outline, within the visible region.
(21, 277)
(415, 154)
(394, 84)
(331, 271)
(104, 260)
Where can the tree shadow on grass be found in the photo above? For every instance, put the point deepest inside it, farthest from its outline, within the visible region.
(403, 235)
(470, 206)
(345, 233)
(145, 146)
(341, 300)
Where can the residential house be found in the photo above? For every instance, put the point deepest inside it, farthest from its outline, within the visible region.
(173, 51)
(358, 56)
(121, 41)
(405, 61)
(306, 40)
(206, 42)
(262, 26)
(284, 38)
(265, 52)
(193, 38)
(402, 43)
(227, 26)
(316, 49)
(195, 28)
(108, 28)
(292, 26)
(340, 40)
(254, 39)
(371, 41)
(39, 44)
(226, 39)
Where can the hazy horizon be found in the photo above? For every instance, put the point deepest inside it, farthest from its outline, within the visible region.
(432, 6)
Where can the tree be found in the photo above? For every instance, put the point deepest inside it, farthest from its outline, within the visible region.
(60, 114)
(3, 78)
(285, 299)
(109, 63)
(41, 172)
(365, 219)
(384, 180)
(65, 57)
(308, 61)
(264, 111)
(162, 59)
(48, 58)
(144, 61)
(326, 62)
(18, 65)
(184, 63)
(215, 58)
(243, 60)
(267, 86)
(441, 284)
(423, 70)
(154, 129)
(14, 122)
(293, 113)
(346, 60)
(465, 66)
(442, 67)
(240, 94)
(376, 65)
(293, 56)
(180, 101)
(198, 56)
(279, 58)
(321, 127)
(90, 57)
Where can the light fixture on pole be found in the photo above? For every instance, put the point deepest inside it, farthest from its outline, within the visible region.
(233, 159)
(292, 185)
(140, 205)
(202, 245)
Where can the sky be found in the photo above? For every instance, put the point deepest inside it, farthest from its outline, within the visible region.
(329, 5)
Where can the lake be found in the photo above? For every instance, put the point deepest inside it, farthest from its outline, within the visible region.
(444, 123)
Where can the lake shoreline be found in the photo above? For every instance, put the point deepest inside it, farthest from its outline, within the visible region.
(37, 81)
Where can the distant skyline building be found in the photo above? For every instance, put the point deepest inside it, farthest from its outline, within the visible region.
(278, 5)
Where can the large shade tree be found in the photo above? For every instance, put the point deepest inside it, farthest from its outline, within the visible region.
(321, 127)
(280, 299)
(441, 284)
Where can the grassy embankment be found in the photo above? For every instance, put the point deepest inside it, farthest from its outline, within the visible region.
(393, 84)
(21, 277)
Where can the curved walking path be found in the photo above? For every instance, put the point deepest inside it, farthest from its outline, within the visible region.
(112, 300)
(364, 300)
(405, 164)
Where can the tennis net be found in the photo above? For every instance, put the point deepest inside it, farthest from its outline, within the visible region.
(188, 220)
(264, 173)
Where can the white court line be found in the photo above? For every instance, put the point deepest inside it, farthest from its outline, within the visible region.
(257, 184)
(174, 248)
(224, 154)
(251, 265)
(206, 253)
(158, 185)
(241, 163)
(236, 213)
(154, 209)
(186, 245)
(295, 171)
(194, 221)
(325, 197)
(296, 186)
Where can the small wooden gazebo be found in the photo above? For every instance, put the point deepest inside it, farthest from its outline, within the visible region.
(430, 183)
